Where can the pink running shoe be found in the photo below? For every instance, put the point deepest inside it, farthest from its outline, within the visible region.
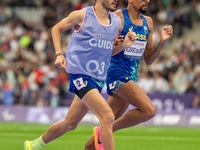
(97, 138)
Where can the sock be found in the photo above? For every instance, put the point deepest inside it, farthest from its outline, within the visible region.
(38, 144)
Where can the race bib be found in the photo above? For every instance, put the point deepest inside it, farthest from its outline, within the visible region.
(79, 83)
(136, 49)
(112, 85)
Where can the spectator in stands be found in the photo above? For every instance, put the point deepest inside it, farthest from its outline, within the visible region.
(82, 4)
(196, 102)
(50, 18)
(146, 81)
(8, 96)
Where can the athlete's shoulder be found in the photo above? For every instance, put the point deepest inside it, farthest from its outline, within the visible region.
(74, 18)
(149, 22)
(78, 13)
(116, 17)
(119, 13)
(148, 19)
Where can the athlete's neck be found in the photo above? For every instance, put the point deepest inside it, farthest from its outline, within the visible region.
(101, 12)
(133, 14)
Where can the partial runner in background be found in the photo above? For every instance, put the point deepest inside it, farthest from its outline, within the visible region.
(123, 71)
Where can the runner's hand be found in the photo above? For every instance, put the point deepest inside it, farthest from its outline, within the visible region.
(166, 33)
(60, 61)
(130, 38)
(119, 40)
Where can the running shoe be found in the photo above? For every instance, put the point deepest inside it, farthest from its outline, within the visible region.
(97, 138)
(27, 145)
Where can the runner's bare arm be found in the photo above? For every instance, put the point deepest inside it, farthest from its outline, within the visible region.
(73, 20)
(151, 52)
(120, 14)
(119, 38)
(128, 41)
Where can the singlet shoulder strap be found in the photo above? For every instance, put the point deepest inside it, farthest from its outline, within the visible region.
(125, 13)
(144, 20)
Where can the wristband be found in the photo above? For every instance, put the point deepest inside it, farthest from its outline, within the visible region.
(59, 54)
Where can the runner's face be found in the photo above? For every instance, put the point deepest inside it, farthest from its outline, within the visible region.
(110, 4)
(143, 4)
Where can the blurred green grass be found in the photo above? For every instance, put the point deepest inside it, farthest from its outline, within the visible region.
(13, 135)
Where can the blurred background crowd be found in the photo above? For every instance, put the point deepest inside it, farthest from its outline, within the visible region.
(28, 75)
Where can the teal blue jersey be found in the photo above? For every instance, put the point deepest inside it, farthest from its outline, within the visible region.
(124, 65)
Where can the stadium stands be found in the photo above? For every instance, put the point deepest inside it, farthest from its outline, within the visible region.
(27, 72)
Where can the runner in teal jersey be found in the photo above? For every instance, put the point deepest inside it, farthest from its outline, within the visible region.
(123, 71)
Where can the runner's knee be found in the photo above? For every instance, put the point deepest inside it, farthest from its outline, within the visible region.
(108, 119)
(150, 112)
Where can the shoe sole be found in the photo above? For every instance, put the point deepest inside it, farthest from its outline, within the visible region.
(95, 139)
(25, 144)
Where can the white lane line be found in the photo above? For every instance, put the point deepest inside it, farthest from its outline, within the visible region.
(161, 138)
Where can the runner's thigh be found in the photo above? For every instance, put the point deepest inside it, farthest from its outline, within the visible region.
(77, 111)
(97, 104)
(117, 104)
(134, 95)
